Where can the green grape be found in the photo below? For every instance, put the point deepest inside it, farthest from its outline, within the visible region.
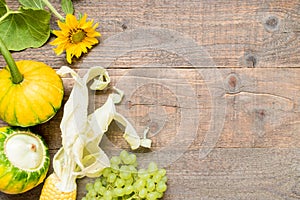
(92, 193)
(89, 186)
(126, 160)
(125, 175)
(107, 195)
(97, 185)
(115, 160)
(111, 177)
(161, 186)
(115, 168)
(150, 185)
(124, 172)
(118, 192)
(140, 184)
(88, 197)
(129, 181)
(162, 172)
(107, 198)
(123, 155)
(106, 171)
(152, 196)
(164, 179)
(119, 182)
(142, 173)
(83, 198)
(98, 179)
(152, 167)
(128, 189)
(159, 194)
(124, 168)
(130, 159)
(104, 182)
(132, 169)
(101, 190)
(143, 193)
(156, 178)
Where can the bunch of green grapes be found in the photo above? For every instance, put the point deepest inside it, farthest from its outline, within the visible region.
(123, 180)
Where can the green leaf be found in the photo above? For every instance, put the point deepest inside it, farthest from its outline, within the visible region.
(67, 6)
(32, 3)
(25, 28)
(3, 8)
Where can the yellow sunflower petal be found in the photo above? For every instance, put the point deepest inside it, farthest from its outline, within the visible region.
(83, 47)
(73, 49)
(69, 57)
(88, 24)
(58, 50)
(91, 41)
(82, 21)
(78, 51)
(93, 34)
(63, 26)
(71, 21)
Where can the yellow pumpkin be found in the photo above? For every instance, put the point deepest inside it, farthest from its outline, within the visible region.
(31, 92)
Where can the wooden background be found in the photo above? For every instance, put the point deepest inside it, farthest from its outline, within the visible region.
(216, 81)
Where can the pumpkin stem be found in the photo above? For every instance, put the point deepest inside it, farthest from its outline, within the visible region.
(14, 71)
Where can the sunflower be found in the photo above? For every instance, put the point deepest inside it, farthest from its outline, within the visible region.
(75, 36)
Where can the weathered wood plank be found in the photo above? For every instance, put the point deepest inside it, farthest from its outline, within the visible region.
(235, 33)
(262, 106)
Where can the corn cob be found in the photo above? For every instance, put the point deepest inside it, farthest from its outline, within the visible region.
(50, 190)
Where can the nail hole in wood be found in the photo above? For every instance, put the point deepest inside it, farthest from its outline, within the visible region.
(260, 114)
(128, 104)
(250, 60)
(124, 27)
(296, 189)
(271, 23)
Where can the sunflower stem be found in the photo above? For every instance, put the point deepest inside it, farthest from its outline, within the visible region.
(53, 10)
(14, 71)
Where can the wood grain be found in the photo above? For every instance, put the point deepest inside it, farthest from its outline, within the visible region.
(217, 83)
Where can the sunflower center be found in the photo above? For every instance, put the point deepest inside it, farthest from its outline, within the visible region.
(78, 36)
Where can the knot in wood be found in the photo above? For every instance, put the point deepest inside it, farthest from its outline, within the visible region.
(260, 114)
(154, 127)
(233, 83)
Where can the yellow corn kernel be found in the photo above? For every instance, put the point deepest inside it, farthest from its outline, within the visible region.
(51, 192)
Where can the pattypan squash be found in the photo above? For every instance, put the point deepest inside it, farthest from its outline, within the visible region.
(31, 92)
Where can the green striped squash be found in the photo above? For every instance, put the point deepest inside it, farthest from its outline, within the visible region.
(24, 160)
